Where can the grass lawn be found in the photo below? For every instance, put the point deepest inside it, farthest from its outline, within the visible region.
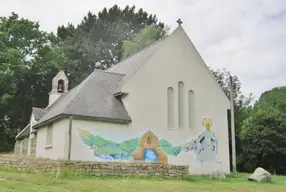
(42, 183)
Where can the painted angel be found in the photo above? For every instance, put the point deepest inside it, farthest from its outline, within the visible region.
(206, 145)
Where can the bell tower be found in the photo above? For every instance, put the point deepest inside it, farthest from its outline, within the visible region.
(59, 86)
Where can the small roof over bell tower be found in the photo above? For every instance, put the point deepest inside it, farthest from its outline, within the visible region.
(60, 85)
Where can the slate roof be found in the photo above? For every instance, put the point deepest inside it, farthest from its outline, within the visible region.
(39, 113)
(95, 97)
(92, 99)
(129, 66)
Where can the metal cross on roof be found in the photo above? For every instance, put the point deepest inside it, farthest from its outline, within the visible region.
(179, 21)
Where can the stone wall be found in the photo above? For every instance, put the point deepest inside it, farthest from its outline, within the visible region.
(33, 166)
(97, 168)
(33, 145)
(25, 144)
(21, 147)
(17, 147)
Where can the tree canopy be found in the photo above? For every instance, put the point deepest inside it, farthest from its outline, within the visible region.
(241, 106)
(28, 61)
(142, 39)
(30, 58)
(96, 43)
(263, 133)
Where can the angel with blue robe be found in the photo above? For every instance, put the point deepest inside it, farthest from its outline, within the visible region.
(206, 145)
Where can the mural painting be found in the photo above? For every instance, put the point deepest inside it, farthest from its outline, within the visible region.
(206, 144)
(149, 148)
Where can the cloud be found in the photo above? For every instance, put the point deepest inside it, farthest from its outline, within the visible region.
(246, 37)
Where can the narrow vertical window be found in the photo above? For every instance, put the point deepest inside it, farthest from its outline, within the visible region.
(49, 136)
(181, 104)
(191, 108)
(170, 107)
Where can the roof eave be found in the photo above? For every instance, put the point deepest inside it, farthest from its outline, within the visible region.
(120, 94)
(21, 132)
(117, 94)
(122, 121)
(34, 131)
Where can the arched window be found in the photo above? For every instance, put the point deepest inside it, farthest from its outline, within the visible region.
(171, 107)
(149, 141)
(61, 86)
(191, 108)
(181, 104)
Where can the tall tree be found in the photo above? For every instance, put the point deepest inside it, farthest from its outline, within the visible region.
(241, 108)
(28, 60)
(97, 41)
(263, 133)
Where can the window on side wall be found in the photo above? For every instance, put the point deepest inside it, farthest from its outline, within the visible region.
(191, 108)
(171, 107)
(181, 102)
(49, 138)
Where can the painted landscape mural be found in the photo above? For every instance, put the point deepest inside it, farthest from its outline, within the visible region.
(149, 148)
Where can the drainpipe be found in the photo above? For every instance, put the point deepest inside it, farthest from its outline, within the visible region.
(70, 137)
(232, 127)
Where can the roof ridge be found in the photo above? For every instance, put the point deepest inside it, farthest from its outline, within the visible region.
(138, 52)
(144, 49)
(79, 87)
(114, 73)
(92, 98)
(151, 55)
(150, 45)
(69, 92)
(63, 96)
(22, 131)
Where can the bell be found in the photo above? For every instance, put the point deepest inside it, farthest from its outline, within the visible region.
(60, 88)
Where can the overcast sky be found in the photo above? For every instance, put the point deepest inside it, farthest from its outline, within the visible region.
(247, 37)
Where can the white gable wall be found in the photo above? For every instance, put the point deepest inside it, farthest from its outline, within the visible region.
(177, 60)
(59, 147)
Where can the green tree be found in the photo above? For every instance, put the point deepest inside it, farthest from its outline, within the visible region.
(275, 97)
(263, 133)
(241, 102)
(241, 108)
(97, 41)
(222, 76)
(144, 38)
(28, 60)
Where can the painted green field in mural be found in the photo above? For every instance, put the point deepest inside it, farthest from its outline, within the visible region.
(19, 182)
(108, 149)
(149, 148)
(168, 148)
